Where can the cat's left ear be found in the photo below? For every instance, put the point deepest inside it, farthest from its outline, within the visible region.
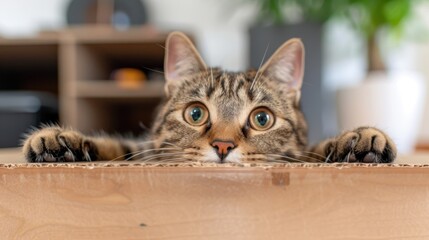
(181, 60)
(286, 65)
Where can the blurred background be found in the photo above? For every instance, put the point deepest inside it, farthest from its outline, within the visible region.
(97, 64)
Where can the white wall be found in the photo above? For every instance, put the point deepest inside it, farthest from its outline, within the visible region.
(23, 17)
(219, 27)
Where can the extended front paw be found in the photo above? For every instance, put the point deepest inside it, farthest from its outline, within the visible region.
(364, 144)
(55, 144)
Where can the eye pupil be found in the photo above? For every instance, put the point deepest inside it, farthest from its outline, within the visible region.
(196, 114)
(262, 118)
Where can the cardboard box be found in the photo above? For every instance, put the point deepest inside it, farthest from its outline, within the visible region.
(137, 201)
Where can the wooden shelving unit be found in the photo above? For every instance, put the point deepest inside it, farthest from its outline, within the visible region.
(29, 64)
(109, 90)
(76, 65)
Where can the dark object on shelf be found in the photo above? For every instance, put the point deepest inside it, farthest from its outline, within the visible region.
(119, 13)
(21, 110)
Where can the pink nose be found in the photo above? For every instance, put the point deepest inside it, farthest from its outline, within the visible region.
(223, 148)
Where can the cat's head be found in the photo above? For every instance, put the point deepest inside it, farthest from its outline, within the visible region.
(219, 116)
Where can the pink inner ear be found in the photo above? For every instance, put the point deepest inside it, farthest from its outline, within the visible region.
(287, 65)
(298, 70)
(172, 58)
(181, 57)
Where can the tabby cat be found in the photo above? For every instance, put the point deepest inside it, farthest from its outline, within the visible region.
(210, 115)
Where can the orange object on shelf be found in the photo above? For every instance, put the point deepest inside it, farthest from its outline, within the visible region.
(129, 77)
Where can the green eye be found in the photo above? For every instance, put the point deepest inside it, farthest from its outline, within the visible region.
(196, 114)
(261, 119)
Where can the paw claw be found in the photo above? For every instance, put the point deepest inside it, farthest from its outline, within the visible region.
(47, 157)
(69, 157)
(370, 158)
(352, 158)
(86, 156)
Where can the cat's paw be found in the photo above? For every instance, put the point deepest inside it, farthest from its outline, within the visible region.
(364, 144)
(55, 144)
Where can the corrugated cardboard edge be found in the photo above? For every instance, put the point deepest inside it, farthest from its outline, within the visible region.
(267, 166)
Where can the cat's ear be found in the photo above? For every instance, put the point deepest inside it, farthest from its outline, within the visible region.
(181, 60)
(286, 65)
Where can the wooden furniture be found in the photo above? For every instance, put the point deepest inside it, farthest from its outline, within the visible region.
(134, 201)
(29, 64)
(76, 64)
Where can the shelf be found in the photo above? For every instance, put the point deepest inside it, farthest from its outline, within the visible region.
(135, 53)
(111, 90)
(75, 65)
(51, 39)
(108, 34)
(30, 56)
(29, 64)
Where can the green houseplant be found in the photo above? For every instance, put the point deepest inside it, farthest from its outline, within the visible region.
(286, 11)
(370, 17)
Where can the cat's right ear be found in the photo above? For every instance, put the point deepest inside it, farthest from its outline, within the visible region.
(286, 65)
(181, 60)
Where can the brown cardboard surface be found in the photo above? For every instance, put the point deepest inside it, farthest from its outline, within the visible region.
(137, 201)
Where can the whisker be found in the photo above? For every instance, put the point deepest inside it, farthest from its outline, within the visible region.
(174, 160)
(144, 142)
(159, 45)
(265, 160)
(154, 150)
(144, 127)
(162, 143)
(272, 160)
(123, 156)
(140, 152)
(160, 155)
(282, 161)
(313, 159)
(258, 73)
(287, 157)
(212, 78)
(170, 144)
(262, 159)
(315, 154)
(169, 160)
(329, 156)
(153, 70)
(139, 143)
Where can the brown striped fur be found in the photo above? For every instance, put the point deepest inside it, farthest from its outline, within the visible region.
(230, 98)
